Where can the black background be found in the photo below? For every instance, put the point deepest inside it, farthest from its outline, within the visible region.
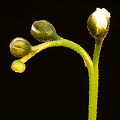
(55, 83)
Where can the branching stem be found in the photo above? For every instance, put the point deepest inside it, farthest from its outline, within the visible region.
(93, 99)
(93, 82)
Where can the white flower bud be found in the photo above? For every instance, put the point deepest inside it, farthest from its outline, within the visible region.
(98, 23)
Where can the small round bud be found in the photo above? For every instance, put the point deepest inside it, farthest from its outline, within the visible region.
(98, 23)
(18, 66)
(19, 47)
(43, 31)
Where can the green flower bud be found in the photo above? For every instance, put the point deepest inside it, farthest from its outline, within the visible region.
(18, 66)
(19, 47)
(98, 23)
(43, 31)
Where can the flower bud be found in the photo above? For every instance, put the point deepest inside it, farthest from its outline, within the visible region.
(18, 66)
(19, 47)
(43, 31)
(98, 23)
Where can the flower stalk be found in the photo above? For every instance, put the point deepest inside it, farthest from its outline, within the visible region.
(93, 96)
(98, 26)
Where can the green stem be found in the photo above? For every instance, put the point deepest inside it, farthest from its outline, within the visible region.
(65, 43)
(96, 55)
(86, 58)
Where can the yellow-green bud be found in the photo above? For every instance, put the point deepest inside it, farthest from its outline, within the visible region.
(43, 31)
(18, 66)
(19, 47)
(98, 23)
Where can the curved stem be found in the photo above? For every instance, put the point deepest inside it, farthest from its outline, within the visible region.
(96, 55)
(86, 58)
(61, 42)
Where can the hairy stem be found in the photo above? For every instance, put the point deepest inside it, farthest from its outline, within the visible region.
(86, 58)
(96, 55)
(61, 42)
